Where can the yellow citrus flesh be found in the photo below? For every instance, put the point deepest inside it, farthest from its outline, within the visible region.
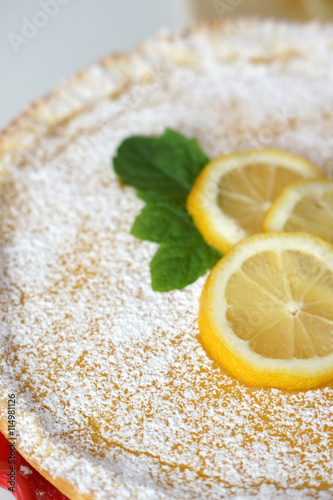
(231, 196)
(266, 311)
(305, 206)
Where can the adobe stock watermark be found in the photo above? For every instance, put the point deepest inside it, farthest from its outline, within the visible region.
(121, 108)
(31, 27)
(253, 145)
(225, 7)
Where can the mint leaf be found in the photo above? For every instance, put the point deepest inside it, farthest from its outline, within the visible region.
(182, 158)
(180, 262)
(160, 168)
(136, 165)
(175, 196)
(161, 221)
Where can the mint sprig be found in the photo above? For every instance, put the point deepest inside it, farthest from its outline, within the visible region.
(179, 262)
(162, 221)
(163, 170)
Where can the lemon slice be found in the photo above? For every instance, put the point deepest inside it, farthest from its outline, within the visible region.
(232, 194)
(266, 311)
(303, 206)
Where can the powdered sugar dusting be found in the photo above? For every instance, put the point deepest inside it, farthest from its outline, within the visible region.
(116, 394)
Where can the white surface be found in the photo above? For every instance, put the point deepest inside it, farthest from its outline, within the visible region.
(6, 495)
(79, 32)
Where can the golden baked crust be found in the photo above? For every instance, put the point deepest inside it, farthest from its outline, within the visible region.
(115, 396)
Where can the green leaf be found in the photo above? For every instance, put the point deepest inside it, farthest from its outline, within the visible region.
(160, 168)
(163, 170)
(175, 196)
(182, 158)
(135, 163)
(180, 262)
(161, 221)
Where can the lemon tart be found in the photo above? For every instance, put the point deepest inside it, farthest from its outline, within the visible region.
(115, 397)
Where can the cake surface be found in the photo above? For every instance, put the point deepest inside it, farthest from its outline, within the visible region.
(115, 396)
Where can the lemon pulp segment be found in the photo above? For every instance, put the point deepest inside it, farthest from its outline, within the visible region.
(231, 196)
(267, 311)
(303, 206)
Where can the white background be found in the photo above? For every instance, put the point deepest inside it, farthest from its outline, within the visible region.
(80, 32)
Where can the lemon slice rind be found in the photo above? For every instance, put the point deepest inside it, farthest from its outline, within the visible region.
(219, 229)
(234, 353)
(282, 208)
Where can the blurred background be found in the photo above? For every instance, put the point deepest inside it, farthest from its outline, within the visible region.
(44, 41)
